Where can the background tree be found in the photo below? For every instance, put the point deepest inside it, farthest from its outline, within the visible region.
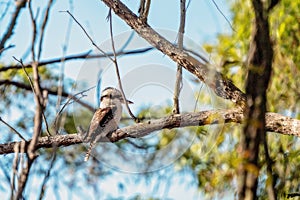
(211, 161)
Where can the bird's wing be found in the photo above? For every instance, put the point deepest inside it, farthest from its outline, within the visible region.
(100, 118)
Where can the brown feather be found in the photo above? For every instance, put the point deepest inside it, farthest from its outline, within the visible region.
(97, 125)
(99, 118)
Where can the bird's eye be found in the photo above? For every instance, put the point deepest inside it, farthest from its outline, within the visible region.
(102, 97)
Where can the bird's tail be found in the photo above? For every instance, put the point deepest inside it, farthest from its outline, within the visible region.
(89, 151)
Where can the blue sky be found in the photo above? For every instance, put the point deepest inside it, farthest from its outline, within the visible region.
(203, 23)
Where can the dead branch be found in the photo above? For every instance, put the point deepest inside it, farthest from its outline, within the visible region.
(88, 36)
(222, 86)
(19, 5)
(178, 82)
(42, 30)
(275, 123)
(12, 128)
(115, 61)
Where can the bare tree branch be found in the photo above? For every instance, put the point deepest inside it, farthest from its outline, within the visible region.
(13, 129)
(67, 103)
(34, 30)
(75, 57)
(39, 111)
(89, 37)
(117, 66)
(144, 9)
(114, 60)
(14, 171)
(275, 123)
(42, 31)
(5, 9)
(33, 88)
(50, 91)
(47, 175)
(60, 84)
(222, 86)
(6, 48)
(19, 5)
(178, 82)
(227, 20)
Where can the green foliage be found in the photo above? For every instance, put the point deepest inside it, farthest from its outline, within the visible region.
(283, 96)
(231, 52)
(212, 158)
(8, 91)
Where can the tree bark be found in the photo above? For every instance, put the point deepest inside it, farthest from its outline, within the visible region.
(274, 123)
(259, 72)
(222, 86)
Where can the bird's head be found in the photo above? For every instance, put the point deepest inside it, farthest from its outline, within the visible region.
(112, 97)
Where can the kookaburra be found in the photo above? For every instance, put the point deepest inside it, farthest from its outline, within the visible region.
(105, 119)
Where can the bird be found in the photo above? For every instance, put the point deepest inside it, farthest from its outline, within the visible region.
(106, 118)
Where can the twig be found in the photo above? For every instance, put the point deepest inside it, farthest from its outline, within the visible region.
(115, 61)
(272, 195)
(144, 9)
(47, 175)
(50, 91)
(42, 31)
(13, 129)
(14, 170)
(33, 23)
(39, 114)
(34, 92)
(6, 48)
(60, 87)
(198, 96)
(68, 102)
(24, 173)
(19, 5)
(178, 83)
(23, 178)
(227, 20)
(5, 10)
(89, 37)
(77, 56)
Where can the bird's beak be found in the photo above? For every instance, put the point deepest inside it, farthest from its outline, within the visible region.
(129, 102)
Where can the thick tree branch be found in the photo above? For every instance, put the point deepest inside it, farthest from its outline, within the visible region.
(275, 123)
(215, 80)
